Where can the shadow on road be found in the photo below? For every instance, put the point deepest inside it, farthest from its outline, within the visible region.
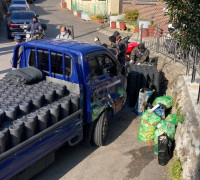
(120, 123)
(5, 71)
(69, 157)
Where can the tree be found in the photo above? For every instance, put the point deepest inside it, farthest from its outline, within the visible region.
(185, 14)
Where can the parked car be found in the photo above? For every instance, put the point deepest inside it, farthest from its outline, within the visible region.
(16, 7)
(19, 2)
(96, 89)
(18, 19)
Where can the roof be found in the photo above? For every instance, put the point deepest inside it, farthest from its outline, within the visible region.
(17, 5)
(24, 11)
(59, 44)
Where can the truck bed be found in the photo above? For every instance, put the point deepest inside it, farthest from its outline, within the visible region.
(20, 155)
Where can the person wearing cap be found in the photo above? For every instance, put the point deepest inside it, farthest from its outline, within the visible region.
(140, 54)
(122, 45)
(18, 40)
(64, 34)
(34, 25)
(112, 46)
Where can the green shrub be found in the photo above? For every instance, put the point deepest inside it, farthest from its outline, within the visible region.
(175, 169)
(152, 24)
(135, 23)
(144, 19)
(185, 15)
(121, 20)
(101, 17)
(131, 14)
(180, 116)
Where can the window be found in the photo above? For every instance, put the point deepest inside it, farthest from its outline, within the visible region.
(56, 62)
(102, 65)
(43, 60)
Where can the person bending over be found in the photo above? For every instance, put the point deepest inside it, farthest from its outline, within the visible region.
(140, 54)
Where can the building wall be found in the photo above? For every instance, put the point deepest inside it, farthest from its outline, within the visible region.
(69, 4)
(152, 11)
(92, 7)
(113, 7)
(95, 7)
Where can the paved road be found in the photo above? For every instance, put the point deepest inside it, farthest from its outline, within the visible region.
(6, 50)
(123, 157)
(51, 14)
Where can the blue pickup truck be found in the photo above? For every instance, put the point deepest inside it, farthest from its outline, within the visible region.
(89, 72)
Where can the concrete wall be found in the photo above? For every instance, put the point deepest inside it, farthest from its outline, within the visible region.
(69, 4)
(152, 11)
(113, 7)
(188, 134)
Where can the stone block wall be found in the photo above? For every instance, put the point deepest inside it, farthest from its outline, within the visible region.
(187, 134)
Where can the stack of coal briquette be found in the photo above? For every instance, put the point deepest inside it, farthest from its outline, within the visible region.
(26, 110)
(142, 76)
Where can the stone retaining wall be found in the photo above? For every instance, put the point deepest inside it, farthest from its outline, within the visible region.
(187, 134)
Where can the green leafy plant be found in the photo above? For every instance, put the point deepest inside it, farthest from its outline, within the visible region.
(101, 17)
(134, 23)
(180, 116)
(175, 169)
(144, 19)
(185, 15)
(121, 20)
(114, 14)
(152, 24)
(131, 14)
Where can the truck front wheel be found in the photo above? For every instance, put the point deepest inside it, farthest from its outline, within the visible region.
(100, 129)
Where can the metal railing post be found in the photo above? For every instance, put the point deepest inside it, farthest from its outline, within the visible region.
(158, 36)
(198, 95)
(188, 64)
(175, 51)
(141, 29)
(194, 66)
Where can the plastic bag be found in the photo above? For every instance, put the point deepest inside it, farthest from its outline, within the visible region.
(164, 127)
(172, 118)
(148, 123)
(160, 112)
(165, 100)
(143, 97)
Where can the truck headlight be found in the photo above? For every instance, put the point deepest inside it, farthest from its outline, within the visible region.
(28, 35)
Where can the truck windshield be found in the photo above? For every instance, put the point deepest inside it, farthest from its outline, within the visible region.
(56, 62)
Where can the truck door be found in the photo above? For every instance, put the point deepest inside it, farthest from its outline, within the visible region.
(106, 83)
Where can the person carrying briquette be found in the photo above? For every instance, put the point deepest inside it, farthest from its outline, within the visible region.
(140, 54)
(122, 46)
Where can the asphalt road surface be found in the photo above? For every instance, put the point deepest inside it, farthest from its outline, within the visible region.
(123, 157)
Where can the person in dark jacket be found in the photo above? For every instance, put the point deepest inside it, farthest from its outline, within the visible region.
(140, 54)
(34, 25)
(17, 40)
(122, 46)
(112, 46)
